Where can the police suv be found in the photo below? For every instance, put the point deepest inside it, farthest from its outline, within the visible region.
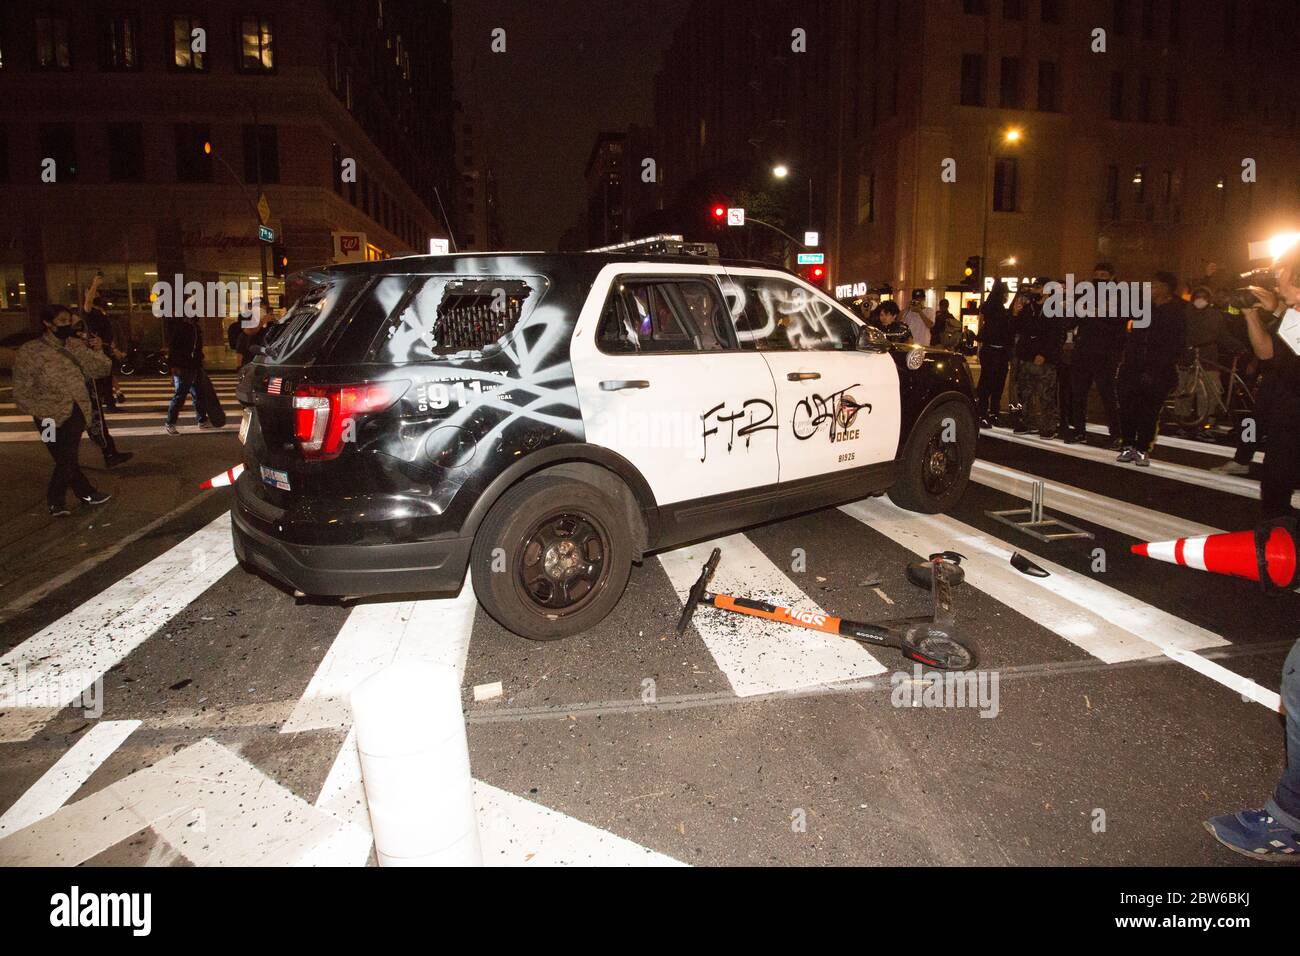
(545, 420)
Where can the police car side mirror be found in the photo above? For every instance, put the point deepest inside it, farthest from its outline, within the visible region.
(871, 339)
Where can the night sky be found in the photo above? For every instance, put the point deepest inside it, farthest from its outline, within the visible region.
(571, 68)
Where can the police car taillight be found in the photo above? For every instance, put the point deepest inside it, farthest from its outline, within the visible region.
(321, 413)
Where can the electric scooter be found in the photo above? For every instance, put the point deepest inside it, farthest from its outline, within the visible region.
(931, 640)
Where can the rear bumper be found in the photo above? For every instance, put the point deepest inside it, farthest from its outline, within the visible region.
(354, 570)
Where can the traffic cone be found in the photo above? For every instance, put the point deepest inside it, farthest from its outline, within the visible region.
(1232, 553)
(225, 478)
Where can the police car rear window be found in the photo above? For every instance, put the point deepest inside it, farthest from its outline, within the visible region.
(431, 317)
(302, 332)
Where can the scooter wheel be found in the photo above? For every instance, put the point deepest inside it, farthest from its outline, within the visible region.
(937, 649)
(919, 572)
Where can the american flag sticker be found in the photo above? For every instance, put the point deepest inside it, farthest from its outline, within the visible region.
(274, 385)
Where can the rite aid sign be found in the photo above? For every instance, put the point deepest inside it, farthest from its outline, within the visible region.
(349, 247)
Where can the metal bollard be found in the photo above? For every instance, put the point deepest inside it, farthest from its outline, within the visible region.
(415, 766)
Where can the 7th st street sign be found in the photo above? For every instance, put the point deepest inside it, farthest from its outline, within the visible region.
(266, 233)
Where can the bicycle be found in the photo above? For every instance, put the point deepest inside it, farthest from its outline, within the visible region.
(1199, 401)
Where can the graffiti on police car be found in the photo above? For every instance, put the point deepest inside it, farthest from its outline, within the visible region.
(757, 412)
(839, 409)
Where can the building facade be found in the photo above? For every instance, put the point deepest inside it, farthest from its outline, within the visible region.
(1155, 134)
(919, 127)
(139, 141)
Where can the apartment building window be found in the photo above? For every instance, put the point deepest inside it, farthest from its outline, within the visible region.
(1144, 99)
(117, 42)
(1005, 176)
(1148, 19)
(1167, 195)
(1047, 86)
(193, 165)
(336, 170)
(975, 7)
(256, 44)
(893, 92)
(4, 154)
(261, 154)
(1175, 19)
(58, 141)
(1112, 192)
(1050, 11)
(126, 152)
(1009, 96)
(53, 51)
(184, 56)
(1171, 101)
(1119, 16)
(1230, 24)
(972, 79)
(1013, 9)
(1140, 184)
(1117, 95)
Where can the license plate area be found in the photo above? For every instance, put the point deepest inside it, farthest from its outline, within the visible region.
(275, 478)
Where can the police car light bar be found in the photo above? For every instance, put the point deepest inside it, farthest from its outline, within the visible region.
(664, 244)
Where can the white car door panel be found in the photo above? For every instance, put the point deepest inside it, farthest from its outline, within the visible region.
(694, 423)
(837, 407)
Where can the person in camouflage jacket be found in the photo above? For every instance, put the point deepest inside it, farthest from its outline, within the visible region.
(50, 376)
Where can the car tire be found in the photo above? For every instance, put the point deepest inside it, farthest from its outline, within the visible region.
(933, 473)
(552, 558)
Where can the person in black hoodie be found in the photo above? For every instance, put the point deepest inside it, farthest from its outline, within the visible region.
(995, 337)
(1038, 352)
(185, 358)
(1098, 342)
(1148, 368)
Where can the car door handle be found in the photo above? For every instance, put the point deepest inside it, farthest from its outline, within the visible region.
(802, 376)
(618, 384)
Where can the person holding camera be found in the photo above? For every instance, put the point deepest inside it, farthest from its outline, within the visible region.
(51, 376)
(1277, 403)
(1273, 323)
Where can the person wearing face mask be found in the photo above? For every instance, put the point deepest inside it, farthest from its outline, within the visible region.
(50, 376)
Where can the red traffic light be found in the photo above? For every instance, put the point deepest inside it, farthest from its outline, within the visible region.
(817, 272)
(719, 211)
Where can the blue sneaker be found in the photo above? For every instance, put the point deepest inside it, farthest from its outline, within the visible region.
(1255, 834)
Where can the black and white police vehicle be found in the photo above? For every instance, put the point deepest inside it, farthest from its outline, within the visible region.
(545, 420)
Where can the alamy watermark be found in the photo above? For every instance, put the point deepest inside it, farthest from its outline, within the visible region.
(1098, 299)
(946, 689)
(44, 691)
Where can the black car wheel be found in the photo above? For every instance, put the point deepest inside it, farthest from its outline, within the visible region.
(936, 461)
(552, 558)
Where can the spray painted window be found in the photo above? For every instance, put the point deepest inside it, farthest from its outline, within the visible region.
(780, 315)
(664, 315)
(432, 317)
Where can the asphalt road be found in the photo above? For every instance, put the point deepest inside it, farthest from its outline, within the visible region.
(1124, 700)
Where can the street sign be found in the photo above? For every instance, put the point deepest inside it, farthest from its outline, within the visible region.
(736, 216)
(811, 239)
(812, 258)
(266, 233)
(263, 208)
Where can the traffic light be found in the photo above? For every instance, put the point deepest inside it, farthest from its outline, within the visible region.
(973, 272)
(719, 212)
(815, 274)
(279, 261)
